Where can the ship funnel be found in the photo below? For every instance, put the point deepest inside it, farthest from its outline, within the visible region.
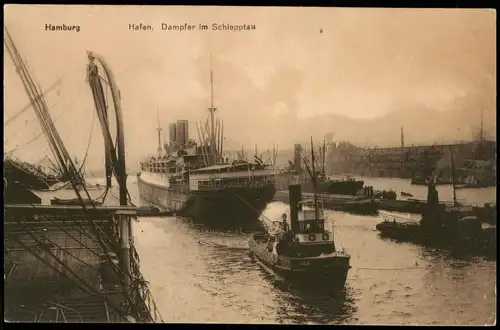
(295, 193)
(182, 133)
(172, 133)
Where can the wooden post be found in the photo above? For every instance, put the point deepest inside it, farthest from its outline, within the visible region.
(124, 225)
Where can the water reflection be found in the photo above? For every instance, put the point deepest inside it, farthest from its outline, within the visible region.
(446, 275)
(457, 252)
(298, 304)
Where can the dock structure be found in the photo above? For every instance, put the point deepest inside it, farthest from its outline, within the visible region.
(62, 265)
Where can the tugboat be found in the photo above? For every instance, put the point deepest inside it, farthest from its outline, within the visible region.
(304, 251)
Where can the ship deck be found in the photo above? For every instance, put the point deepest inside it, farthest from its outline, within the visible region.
(154, 179)
(280, 195)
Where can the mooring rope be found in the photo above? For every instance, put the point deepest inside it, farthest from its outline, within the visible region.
(405, 268)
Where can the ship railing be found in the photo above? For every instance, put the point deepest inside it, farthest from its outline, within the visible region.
(139, 286)
(142, 289)
(310, 210)
(147, 301)
(152, 308)
(249, 184)
(60, 311)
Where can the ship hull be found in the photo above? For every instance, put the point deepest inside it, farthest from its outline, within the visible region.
(348, 187)
(365, 206)
(231, 205)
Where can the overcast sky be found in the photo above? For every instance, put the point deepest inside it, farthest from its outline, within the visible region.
(365, 64)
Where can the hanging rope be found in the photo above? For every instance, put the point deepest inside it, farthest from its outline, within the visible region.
(117, 160)
(27, 107)
(269, 224)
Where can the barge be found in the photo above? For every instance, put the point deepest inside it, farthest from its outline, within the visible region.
(345, 203)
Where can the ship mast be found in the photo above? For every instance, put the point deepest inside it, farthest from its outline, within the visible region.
(481, 131)
(314, 181)
(212, 110)
(159, 133)
(455, 203)
(324, 156)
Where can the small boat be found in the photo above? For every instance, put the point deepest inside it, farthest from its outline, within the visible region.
(403, 193)
(399, 227)
(302, 251)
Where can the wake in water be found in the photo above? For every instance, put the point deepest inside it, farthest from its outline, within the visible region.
(217, 245)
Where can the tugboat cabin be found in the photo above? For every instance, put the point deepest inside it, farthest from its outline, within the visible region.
(310, 227)
(306, 236)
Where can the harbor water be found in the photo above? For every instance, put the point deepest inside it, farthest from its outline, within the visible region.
(198, 275)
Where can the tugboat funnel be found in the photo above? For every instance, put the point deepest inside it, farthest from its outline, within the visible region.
(295, 192)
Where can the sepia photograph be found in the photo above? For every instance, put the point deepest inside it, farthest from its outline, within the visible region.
(249, 165)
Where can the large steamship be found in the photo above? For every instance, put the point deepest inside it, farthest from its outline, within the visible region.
(193, 179)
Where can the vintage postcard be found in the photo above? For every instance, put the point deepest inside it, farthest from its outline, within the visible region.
(256, 165)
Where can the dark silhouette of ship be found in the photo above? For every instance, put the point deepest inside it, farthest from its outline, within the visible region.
(295, 174)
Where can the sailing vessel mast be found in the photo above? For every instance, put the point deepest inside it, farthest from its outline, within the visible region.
(159, 133)
(313, 176)
(212, 111)
(455, 203)
(324, 156)
(481, 132)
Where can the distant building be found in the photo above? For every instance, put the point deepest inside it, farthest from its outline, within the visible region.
(471, 159)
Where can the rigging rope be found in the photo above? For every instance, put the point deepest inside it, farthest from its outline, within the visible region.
(37, 136)
(404, 268)
(27, 107)
(88, 145)
(44, 117)
(254, 209)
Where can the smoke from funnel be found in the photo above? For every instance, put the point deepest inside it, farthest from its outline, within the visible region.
(444, 162)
